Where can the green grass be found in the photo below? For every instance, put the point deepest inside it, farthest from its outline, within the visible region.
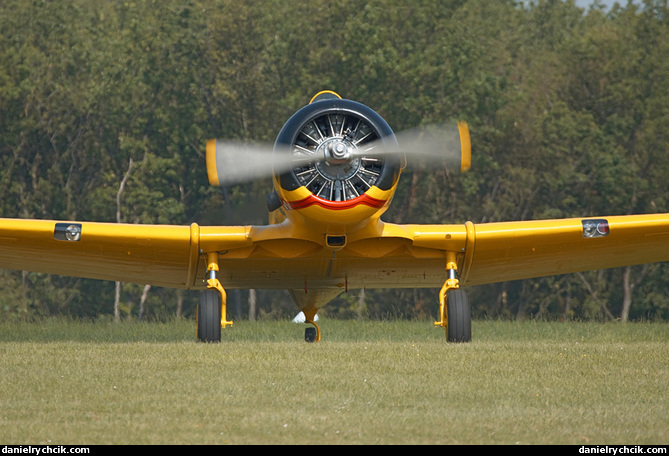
(67, 382)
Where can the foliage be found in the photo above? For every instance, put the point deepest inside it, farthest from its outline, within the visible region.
(567, 107)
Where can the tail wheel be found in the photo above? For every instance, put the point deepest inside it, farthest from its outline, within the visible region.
(459, 316)
(310, 334)
(209, 316)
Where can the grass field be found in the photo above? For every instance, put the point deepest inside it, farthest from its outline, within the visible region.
(365, 383)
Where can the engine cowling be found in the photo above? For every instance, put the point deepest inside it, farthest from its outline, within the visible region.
(338, 178)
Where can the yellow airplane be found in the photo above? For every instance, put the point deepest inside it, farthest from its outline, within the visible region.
(335, 167)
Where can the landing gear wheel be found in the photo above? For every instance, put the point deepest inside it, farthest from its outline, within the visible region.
(310, 334)
(459, 316)
(209, 316)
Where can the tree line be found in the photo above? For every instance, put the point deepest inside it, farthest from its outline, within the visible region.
(105, 107)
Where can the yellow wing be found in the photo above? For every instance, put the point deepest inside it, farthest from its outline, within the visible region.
(151, 254)
(497, 252)
(286, 256)
(161, 255)
(386, 255)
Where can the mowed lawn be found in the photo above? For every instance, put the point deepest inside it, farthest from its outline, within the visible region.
(364, 383)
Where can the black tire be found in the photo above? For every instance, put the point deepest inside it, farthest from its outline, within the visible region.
(310, 334)
(459, 316)
(209, 316)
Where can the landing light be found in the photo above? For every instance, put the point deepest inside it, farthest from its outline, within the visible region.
(595, 228)
(67, 232)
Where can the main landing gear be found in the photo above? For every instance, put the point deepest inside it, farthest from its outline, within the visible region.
(212, 306)
(454, 309)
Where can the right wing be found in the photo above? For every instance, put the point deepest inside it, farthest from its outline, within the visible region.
(152, 254)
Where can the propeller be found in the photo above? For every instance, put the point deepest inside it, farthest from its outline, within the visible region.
(234, 162)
